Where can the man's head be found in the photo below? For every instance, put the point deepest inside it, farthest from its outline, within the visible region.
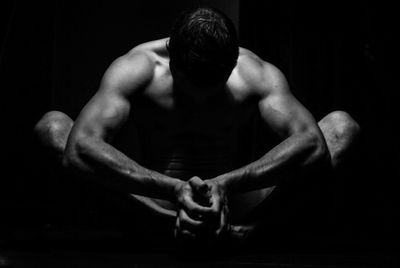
(203, 47)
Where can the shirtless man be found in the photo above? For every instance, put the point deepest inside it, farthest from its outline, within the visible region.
(191, 96)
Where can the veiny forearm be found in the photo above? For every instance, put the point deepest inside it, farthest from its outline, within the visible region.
(298, 152)
(105, 164)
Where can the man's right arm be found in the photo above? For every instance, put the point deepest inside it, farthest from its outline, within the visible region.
(88, 149)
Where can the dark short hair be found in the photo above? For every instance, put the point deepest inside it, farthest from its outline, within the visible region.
(203, 45)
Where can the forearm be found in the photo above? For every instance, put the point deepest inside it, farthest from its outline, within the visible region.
(298, 152)
(107, 165)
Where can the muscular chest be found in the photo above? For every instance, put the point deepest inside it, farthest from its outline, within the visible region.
(168, 120)
(209, 121)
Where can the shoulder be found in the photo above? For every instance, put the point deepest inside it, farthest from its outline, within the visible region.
(153, 48)
(259, 76)
(128, 72)
(137, 67)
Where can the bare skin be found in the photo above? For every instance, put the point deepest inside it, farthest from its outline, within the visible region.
(190, 167)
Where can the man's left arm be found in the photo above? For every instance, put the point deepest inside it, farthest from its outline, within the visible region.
(302, 147)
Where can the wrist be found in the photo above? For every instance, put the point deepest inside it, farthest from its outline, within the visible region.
(175, 189)
(232, 182)
(223, 182)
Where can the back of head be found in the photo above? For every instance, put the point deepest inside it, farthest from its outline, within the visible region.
(203, 45)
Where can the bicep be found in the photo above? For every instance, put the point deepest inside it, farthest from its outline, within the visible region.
(104, 114)
(285, 115)
(280, 110)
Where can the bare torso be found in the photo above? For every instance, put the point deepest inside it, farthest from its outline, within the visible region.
(182, 139)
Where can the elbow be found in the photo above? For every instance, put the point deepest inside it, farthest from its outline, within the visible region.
(323, 155)
(320, 154)
(70, 156)
(73, 153)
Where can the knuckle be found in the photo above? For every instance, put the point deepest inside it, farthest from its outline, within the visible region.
(215, 210)
(183, 218)
(191, 209)
(186, 201)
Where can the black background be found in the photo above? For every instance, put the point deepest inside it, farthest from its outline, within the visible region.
(336, 55)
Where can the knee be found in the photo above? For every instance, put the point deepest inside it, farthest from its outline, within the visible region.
(52, 125)
(345, 126)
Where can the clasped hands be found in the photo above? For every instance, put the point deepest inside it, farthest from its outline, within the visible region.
(202, 209)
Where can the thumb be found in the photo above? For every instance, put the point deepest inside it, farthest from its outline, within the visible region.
(199, 186)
